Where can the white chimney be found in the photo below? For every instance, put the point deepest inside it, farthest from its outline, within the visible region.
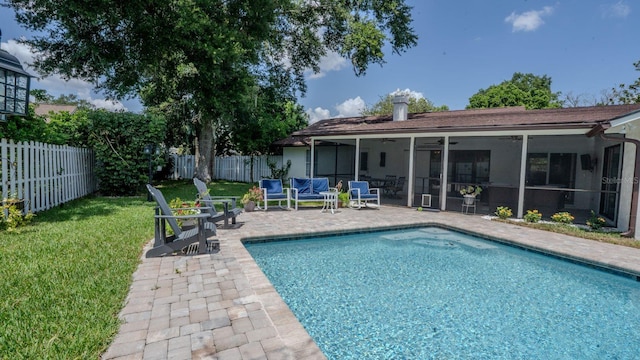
(400, 107)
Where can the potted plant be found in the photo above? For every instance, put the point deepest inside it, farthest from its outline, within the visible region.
(343, 198)
(181, 208)
(470, 192)
(253, 196)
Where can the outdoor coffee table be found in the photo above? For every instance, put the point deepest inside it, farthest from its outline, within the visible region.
(330, 201)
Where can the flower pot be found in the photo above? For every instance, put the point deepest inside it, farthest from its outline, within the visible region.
(250, 206)
(469, 199)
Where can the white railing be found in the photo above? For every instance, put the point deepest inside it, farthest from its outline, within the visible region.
(45, 175)
(231, 168)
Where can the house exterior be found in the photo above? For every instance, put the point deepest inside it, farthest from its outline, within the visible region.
(572, 159)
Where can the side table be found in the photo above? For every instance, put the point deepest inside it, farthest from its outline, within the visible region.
(330, 201)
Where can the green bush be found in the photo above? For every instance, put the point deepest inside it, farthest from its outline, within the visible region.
(14, 217)
(562, 217)
(118, 140)
(596, 222)
(503, 212)
(532, 216)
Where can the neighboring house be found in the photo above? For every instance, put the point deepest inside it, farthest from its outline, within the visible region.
(47, 109)
(571, 159)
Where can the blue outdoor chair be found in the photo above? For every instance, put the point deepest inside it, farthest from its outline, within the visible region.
(361, 195)
(272, 190)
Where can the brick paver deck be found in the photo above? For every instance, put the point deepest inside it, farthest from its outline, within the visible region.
(221, 306)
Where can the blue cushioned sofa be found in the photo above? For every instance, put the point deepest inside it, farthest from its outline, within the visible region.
(308, 189)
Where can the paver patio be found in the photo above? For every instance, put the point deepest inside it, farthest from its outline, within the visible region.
(221, 306)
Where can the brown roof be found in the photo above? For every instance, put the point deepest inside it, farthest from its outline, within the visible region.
(294, 141)
(45, 109)
(510, 118)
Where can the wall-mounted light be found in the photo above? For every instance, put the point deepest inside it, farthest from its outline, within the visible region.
(14, 86)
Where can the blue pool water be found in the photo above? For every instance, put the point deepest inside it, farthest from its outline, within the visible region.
(431, 293)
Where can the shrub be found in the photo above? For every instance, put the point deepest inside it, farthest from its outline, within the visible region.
(118, 140)
(562, 217)
(503, 212)
(595, 222)
(14, 218)
(532, 216)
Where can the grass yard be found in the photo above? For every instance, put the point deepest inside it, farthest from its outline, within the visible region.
(65, 277)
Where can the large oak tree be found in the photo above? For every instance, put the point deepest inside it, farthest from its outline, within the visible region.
(210, 55)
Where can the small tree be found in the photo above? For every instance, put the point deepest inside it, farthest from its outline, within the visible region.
(281, 173)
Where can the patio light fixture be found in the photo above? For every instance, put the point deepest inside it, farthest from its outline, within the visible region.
(14, 86)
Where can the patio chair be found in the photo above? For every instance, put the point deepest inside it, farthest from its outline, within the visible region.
(272, 189)
(183, 239)
(361, 195)
(389, 184)
(398, 186)
(230, 210)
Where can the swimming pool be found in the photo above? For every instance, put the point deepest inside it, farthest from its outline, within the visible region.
(431, 293)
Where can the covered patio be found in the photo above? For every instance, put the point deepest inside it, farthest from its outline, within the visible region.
(549, 160)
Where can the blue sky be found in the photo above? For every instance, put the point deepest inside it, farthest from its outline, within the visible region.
(585, 46)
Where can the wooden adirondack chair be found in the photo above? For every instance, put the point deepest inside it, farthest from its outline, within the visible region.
(185, 240)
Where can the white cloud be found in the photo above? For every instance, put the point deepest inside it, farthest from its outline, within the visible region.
(617, 10)
(351, 107)
(529, 20)
(318, 114)
(330, 62)
(55, 85)
(348, 108)
(411, 93)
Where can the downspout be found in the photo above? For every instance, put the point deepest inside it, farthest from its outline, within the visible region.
(634, 193)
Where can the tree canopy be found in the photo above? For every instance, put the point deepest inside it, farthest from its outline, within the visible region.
(416, 105)
(528, 90)
(626, 94)
(209, 55)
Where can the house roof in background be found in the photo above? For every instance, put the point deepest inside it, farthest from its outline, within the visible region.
(45, 109)
(510, 118)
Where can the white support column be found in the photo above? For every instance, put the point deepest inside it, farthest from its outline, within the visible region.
(443, 176)
(523, 174)
(357, 168)
(313, 157)
(410, 194)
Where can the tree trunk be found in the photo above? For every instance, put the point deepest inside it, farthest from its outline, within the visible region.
(205, 152)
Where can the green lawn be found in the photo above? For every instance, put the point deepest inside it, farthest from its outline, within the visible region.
(65, 277)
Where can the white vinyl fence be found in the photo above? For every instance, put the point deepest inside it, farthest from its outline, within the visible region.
(45, 175)
(231, 168)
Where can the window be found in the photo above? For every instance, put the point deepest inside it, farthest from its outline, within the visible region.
(383, 159)
(469, 166)
(364, 161)
(557, 169)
